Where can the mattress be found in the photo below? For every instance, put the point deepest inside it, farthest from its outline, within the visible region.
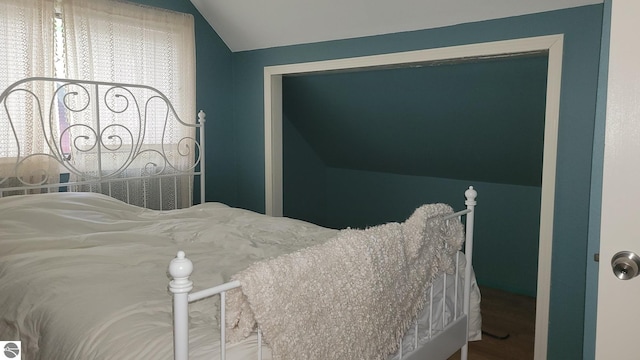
(84, 276)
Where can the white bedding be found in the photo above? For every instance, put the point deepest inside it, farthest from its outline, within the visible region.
(83, 276)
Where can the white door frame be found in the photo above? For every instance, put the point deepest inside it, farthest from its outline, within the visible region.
(553, 44)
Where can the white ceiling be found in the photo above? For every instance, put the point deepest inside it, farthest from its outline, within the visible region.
(258, 24)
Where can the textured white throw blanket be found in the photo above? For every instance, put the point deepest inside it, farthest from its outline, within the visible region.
(352, 297)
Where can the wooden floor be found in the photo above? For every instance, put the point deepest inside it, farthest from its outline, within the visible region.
(504, 313)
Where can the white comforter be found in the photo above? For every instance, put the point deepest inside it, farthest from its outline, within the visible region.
(83, 276)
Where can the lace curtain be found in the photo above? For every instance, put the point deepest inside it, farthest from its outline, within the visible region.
(27, 153)
(114, 41)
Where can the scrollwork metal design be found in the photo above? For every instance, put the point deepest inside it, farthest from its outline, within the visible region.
(36, 175)
(69, 98)
(111, 92)
(106, 123)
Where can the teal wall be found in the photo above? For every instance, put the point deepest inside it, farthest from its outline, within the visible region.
(214, 82)
(303, 177)
(477, 120)
(581, 28)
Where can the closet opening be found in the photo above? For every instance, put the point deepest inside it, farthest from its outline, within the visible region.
(385, 167)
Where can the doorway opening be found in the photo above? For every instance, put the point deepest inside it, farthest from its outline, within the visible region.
(552, 45)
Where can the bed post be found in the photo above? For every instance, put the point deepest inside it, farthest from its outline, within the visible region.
(180, 269)
(201, 121)
(470, 201)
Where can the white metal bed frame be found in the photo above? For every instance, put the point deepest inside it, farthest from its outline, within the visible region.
(441, 345)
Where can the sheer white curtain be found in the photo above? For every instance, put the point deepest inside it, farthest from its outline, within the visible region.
(26, 45)
(114, 41)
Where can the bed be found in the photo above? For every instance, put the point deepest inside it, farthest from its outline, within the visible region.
(112, 261)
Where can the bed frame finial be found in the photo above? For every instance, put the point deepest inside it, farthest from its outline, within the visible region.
(180, 269)
(471, 195)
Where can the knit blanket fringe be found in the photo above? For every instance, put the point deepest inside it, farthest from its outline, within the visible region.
(352, 297)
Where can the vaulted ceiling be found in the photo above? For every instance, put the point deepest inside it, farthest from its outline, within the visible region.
(257, 24)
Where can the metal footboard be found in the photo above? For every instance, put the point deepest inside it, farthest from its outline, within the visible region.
(180, 270)
(454, 334)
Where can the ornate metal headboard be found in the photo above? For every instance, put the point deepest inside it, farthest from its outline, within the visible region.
(123, 140)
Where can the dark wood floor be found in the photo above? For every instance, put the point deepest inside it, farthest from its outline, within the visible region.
(504, 313)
